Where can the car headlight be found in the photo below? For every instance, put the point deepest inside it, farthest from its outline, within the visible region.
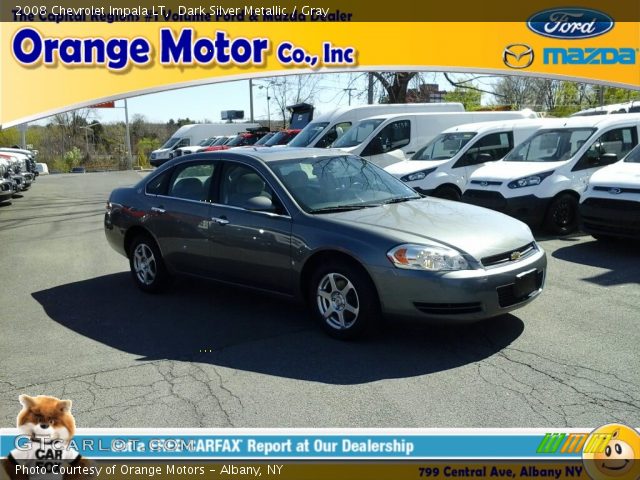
(412, 177)
(529, 181)
(426, 257)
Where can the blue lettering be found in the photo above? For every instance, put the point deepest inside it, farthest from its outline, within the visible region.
(27, 35)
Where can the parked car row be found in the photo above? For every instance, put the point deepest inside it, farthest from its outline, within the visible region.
(18, 170)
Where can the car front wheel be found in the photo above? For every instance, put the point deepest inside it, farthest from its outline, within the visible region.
(343, 299)
(562, 216)
(147, 266)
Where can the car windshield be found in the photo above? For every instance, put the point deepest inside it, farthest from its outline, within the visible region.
(220, 141)
(550, 145)
(358, 133)
(634, 156)
(171, 142)
(444, 146)
(206, 142)
(339, 183)
(236, 141)
(265, 138)
(308, 134)
(280, 138)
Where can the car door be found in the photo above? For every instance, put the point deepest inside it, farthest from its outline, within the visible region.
(608, 148)
(250, 245)
(180, 216)
(386, 147)
(489, 148)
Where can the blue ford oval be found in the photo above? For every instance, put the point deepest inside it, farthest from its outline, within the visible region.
(570, 23)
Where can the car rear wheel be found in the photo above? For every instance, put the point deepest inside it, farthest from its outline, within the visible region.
(343, 299)
(448, 193)
(562, 215)
(147, 267)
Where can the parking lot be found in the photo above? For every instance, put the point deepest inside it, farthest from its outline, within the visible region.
(204, 355)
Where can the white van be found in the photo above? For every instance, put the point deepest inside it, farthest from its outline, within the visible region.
(42, 168)
(441, 168)
(626, 107)
(193, 134)
(327, 128)
(388, 139)
(541, 180)
(610, 206)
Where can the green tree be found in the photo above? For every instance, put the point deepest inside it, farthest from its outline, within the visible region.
(144, 147)
(471, 99)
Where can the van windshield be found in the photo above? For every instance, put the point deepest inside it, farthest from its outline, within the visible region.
(550, 145)
(308, 134)
(444, 146)
(634, 156)
(171, 142)
(358, 134)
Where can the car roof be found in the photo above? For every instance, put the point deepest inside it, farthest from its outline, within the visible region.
(482, 127)
(268, 155)
(599, 121)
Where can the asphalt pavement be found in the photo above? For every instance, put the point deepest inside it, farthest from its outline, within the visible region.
(203, 355)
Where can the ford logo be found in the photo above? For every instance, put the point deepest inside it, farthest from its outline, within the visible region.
(615, 191)
(570, 23)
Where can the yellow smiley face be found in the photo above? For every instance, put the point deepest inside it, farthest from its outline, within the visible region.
(618, 458)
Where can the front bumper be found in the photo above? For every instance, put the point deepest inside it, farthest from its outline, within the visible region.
(528, 208)
(6, 190)
(459, 296)
(618, 218)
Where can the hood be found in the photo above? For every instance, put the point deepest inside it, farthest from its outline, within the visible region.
(620, 174)
(410, 166)
(476, 231)
(502, 170)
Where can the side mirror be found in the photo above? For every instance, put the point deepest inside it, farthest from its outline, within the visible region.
(259, 204)
(484, 157)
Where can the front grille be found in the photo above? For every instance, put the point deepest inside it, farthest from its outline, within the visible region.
(449, 308)
(619, 205)
(619, 190)
(483, 198)
(506, 257)
(485, 182)
(507, 297)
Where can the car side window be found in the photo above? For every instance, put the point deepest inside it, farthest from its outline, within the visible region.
(393, 136)
(158, 185)
(185, 142)
(333, 134)
(495, 145)
(192, 181)
(610, 147)
(243, 187)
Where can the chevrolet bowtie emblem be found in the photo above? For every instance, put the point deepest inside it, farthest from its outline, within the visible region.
(515, 256)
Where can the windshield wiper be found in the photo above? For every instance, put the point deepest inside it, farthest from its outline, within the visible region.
(398, 200)
(340, 208)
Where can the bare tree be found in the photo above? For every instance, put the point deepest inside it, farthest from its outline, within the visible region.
(395, 85)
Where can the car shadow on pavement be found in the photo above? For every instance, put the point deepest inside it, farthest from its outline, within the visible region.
(619, 257)
(235, 328)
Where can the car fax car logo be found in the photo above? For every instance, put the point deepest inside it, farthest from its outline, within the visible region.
(518, 55)
(570, 23)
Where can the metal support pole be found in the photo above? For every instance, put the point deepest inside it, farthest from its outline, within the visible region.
(251, 100)
(127, 136)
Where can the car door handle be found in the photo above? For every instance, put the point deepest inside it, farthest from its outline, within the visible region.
(411, 153)
(220, 220)
(158, 209)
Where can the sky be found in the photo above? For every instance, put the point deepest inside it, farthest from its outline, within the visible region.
(207, 101)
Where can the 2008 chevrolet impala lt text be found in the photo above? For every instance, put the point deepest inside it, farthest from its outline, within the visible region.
(326, 227)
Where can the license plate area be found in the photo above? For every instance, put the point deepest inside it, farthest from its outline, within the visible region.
(526, 283)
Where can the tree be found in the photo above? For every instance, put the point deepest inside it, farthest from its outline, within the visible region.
(471, 99)
(395, 85)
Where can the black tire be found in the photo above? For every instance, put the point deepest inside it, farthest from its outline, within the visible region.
(335, 309)
(604, 238)
(448, 193)
(152, 276)
(562, 215)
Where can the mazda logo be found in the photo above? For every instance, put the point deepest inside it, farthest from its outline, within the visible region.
(615, 191)
(517, 55)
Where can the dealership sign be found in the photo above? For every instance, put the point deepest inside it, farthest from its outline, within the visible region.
(570, 23)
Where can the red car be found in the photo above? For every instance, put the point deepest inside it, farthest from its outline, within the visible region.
(242, 139)
(282, 137)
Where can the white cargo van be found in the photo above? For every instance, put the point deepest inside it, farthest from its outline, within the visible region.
(541, 180)
(626, 107)
(441, 168)
(327, 128)
(193, 134)
(388, 139)
(610, 206)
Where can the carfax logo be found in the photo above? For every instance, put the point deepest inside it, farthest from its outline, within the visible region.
(609, 452)
(570, 23)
